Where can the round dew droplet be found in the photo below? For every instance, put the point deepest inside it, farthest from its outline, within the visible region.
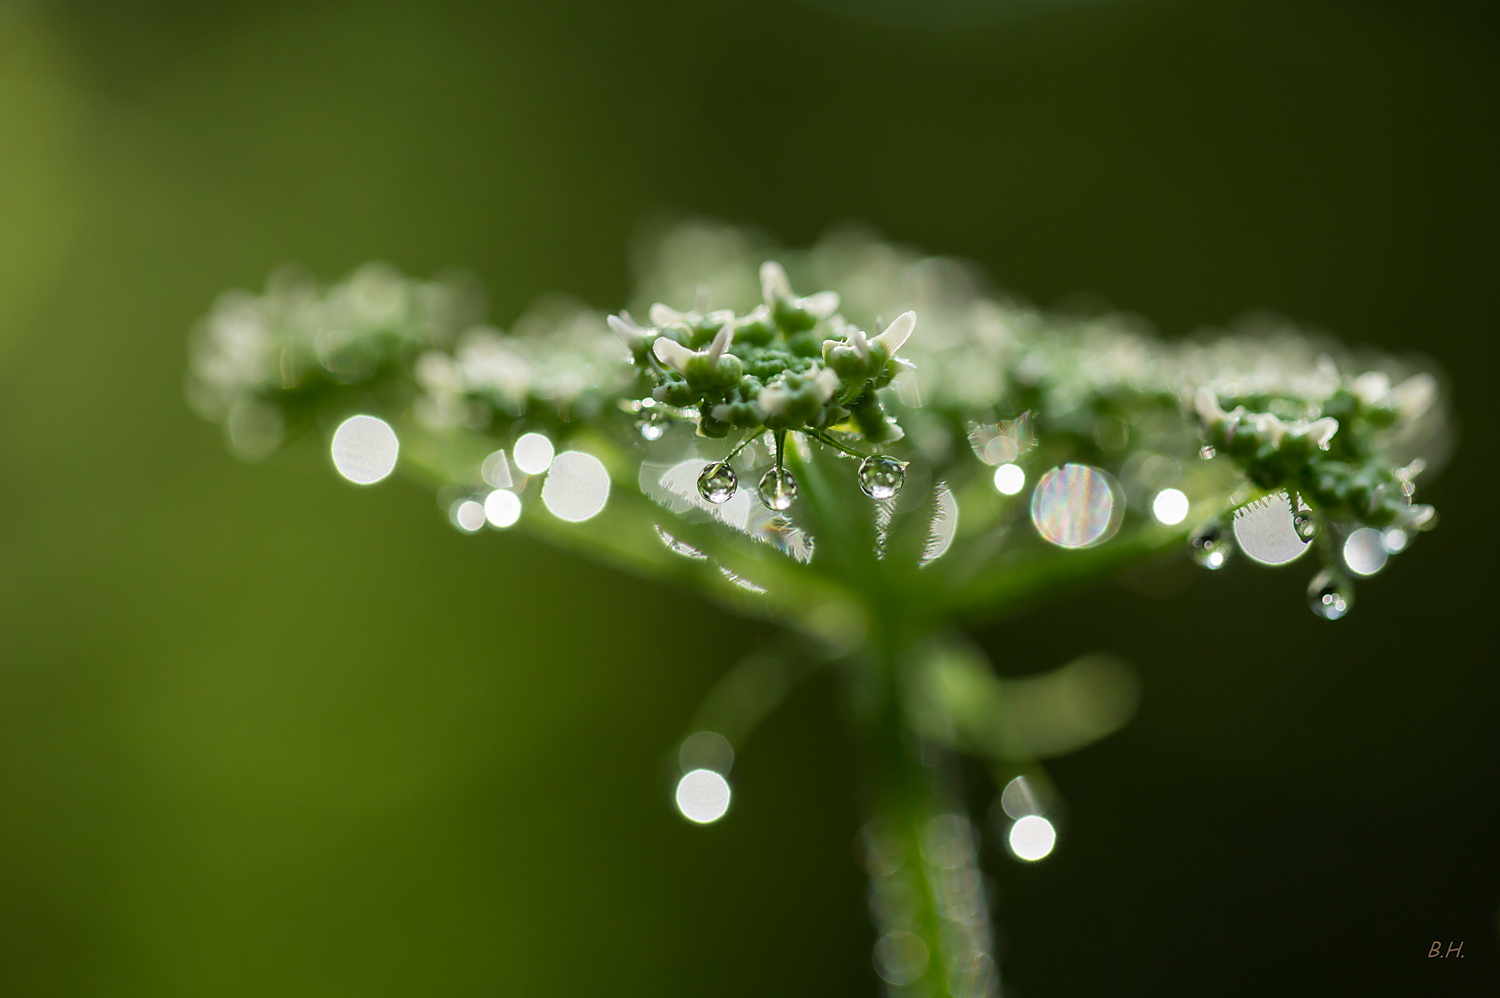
(1305, 524)
(1330, 594)
(1210, 545)
(778, 489)
(881, 476)
(653, 424)
(717, 483)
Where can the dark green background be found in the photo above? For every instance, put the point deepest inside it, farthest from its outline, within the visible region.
(262, 733)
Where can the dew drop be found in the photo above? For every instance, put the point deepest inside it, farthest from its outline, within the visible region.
(1210, 545)
(881, 476)
(717, 483)
(1305, 524)
(1206, 452)
(653, 424)
(778, 489)
(1330, 594)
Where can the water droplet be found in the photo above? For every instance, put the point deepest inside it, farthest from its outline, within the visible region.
(1206, 452)
(653, 424)
(778, 489)
(1076, 506)
(881, 476)
(717, 483)
(1210, 545)
(1305, 524)
(1365, 552)
(1330, 594)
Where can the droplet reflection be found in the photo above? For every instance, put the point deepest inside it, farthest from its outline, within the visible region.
(364, 449)
(1032, 837)
(881, 476)
(1010, 479)
(576, 488)
(502, 508)
(533, 453)
(1074, 506)
(467, 515)
(1267, 532)
(1330, 594)
(1365, 551)
(1170, 506)
(702, 796)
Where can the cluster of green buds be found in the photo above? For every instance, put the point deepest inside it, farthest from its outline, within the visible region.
(791, 365)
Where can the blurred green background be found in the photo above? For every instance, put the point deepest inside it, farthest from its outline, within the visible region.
(262, 733)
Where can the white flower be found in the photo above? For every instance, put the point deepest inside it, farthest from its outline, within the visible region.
(775, 287)
(630, 333)
(677, 356)
(897, 333)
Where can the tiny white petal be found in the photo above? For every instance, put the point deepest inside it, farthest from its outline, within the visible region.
(1207, 405)
(629, 333)
(772, 399)
(722, 339)
(662, 315)
(672, 353)
(1415, 395)
(773, 283)
(1271, 426)
(859, 341)
(825, 382)
(823, 304)
(1372, 387)
(1320, 431)
(898, 332)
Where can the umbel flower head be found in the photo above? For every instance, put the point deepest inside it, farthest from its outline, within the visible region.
(1000, 450)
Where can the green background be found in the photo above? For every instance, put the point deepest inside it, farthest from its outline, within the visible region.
(262, 733)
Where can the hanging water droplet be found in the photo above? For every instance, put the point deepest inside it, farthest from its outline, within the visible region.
(652, 424)
(1330, 594)
(778, 489)
(881, 476)
(1207, 452)
(1211, 546)
(717, 483)
(1305, 524)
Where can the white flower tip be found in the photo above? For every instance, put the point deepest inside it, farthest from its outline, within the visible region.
(772, 399)
(823, 304)
(672, 353)
(662, 315)
(722, 339)
(859, 341)
(774, 283)
(897, 333)
(1415, 395)
(1269, 424)
(825, 383)
(1372, 387)
(1206, 404)
(625, 328)
(1320, 431)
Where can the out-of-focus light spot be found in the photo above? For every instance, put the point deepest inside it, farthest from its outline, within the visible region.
(576, 488)
(502, 508)
(1032, 838)
(1395, 539)
(467, 515)
(533, 453)
(706, 750)
(944, 524)
(1365, 551)
(1010, 479)
(1170, 507)
(496, 471)
(900, 957)
(364, 449)
(1267, 531)
(1074, 506)
(1018, 799)
(702, 796)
